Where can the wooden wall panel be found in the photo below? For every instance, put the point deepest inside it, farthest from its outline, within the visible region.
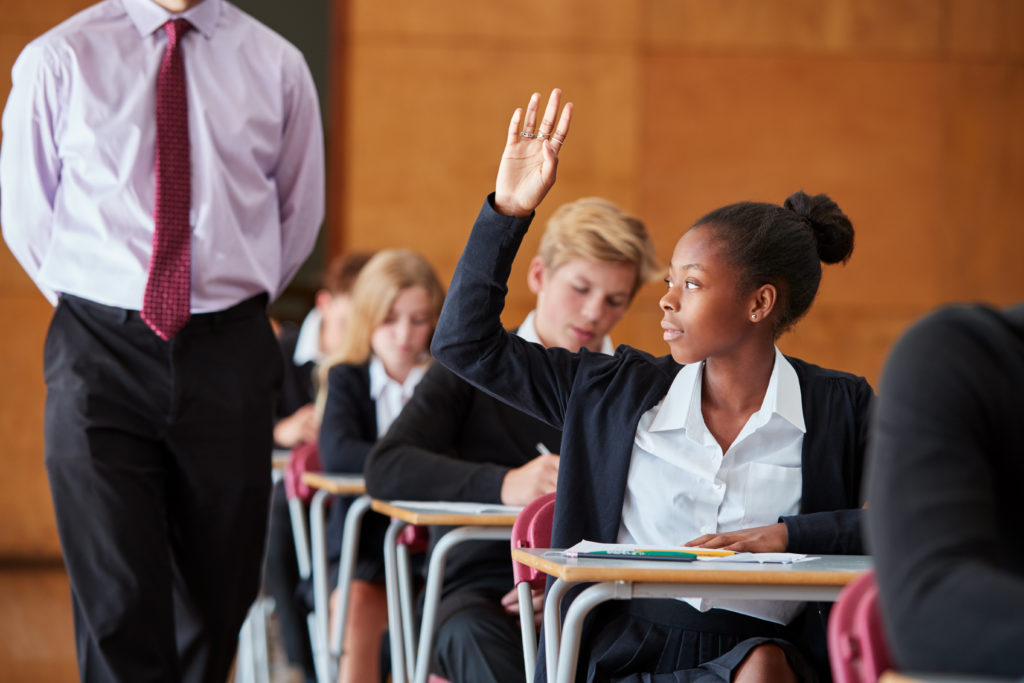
(985, 167)
(726, 129)
(985, 29)
(796, 26)
(427, 128)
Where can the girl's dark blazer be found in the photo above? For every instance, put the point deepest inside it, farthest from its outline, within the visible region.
(598, 400)
(347, 432)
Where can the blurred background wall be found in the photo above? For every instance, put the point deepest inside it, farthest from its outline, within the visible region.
(907, 112)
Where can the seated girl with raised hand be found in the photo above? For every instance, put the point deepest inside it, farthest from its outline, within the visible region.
(395, 303)
(725, 443)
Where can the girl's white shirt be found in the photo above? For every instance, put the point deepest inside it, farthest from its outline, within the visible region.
(681, 486)
(391, 396)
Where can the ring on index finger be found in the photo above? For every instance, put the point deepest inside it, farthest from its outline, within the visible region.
(527, 135)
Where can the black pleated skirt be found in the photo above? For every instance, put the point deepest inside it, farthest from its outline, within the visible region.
(668, 641)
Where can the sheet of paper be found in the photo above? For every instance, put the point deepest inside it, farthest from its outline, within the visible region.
(703, 554)
(457, 507)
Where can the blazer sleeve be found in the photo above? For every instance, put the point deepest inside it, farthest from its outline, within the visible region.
(471, 342)
(418, 458)
(349, 424)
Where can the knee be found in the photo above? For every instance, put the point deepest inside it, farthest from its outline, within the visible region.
(765, 663)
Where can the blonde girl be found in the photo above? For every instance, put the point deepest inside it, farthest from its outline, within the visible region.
(395, 304)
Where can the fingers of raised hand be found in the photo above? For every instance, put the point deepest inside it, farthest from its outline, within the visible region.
(562, 130)
(547, 130)
(547, 127)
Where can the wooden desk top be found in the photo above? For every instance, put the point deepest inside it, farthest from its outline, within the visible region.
(337, 484)
(829, 570)
(432, 514)
(917, 677)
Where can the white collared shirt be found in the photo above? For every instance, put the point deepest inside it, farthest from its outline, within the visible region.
(528, 331)
(682, 486)
(307, 345)
(391, 396)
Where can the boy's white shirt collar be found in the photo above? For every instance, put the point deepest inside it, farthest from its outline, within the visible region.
(528, 331)
(307, 346)
(680, 409)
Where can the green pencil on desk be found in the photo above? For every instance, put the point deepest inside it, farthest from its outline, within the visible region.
(680, 554)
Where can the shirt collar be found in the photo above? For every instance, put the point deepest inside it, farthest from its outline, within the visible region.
(307, 345)
(149, 16)
(680, 409)
(528, 331)
(379, 379)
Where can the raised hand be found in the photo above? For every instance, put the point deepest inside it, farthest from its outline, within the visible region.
(527, 169)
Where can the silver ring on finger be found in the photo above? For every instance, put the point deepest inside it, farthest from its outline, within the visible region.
(527, 135)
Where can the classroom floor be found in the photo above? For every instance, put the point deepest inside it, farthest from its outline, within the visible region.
(37, 642)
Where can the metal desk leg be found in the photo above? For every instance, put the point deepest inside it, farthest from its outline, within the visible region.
(346, 569)
(317, 534)
(405, 600)
(529, 631)
(552, 624)
(391, 579)
(435, 578)
(579, 609)
(297, 515)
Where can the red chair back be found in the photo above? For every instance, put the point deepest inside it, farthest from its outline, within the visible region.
(415, 538)
(303, 458)
(857, 648)
(532, 529)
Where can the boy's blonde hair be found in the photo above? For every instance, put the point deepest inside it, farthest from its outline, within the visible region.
(379, 283)
(595, 229)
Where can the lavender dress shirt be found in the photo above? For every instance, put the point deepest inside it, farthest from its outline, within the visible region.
(76, 164)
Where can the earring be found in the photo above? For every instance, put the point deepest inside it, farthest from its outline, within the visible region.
(753, 316)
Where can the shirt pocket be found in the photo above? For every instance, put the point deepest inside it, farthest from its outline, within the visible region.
(771, 492)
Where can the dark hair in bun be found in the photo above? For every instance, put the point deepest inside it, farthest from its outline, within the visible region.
(832, 229)
(783, 246)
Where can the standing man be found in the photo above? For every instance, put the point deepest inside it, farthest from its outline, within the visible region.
(162, 179)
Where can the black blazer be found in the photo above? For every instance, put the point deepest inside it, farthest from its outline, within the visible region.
(454, 442)
(347, 431)
(598, 400)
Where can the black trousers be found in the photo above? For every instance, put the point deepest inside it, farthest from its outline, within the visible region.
(158, 456)
(476, 640)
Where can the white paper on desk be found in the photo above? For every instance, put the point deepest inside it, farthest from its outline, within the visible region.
(626, 548)
(458, 507)
(762, 558)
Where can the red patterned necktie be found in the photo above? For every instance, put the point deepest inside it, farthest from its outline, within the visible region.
(166, 304)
